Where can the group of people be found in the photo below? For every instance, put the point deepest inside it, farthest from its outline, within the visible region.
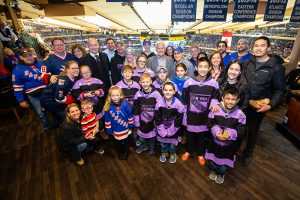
(153, 98)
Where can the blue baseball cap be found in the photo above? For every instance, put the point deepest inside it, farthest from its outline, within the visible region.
(146, 41)
(179, 48)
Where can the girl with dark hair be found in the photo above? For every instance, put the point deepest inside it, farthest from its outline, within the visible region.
(217, 66)
(169, 51)
(78, 51)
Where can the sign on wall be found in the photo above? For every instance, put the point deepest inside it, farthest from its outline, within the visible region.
(215, 10)
(244, 10)
(275, 10)
(183, 11)
(295, 17)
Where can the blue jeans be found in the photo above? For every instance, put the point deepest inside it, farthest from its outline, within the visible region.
(148, 142)
(168, 148)
(219, 169)
(81, 147)
(36, 104)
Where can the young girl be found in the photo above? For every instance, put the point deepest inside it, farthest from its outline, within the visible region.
(168, 119)
(234, 77)
(143, 111)
(197, 95)
(118, 120)
(180, 78)
(227, 126)
(162, 78)
(128, 86)
(217, 69)
(142, 68)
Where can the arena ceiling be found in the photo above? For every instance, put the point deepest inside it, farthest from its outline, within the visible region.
(136, 17)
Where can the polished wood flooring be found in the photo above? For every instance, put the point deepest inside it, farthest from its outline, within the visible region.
(32, 168)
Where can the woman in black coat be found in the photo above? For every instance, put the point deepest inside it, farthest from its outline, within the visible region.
(71, 140)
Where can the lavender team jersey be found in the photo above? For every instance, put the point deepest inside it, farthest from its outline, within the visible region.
(198, 97)
(168, 120)
(223, 152)
(129, 90)
(136, 75)
(143, 111)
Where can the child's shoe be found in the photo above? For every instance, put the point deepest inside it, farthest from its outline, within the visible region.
(201, 160)
(140, 149)
(185, 156)
(151, 151)
(138, 142)
(220, 179)
(212, 175)
(173, 158)
(163, 157)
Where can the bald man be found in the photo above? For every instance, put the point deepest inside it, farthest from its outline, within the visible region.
(98, 62)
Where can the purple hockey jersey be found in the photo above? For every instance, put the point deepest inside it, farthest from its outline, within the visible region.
(129, 90)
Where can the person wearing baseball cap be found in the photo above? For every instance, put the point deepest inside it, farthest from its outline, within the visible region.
(242, 53)
(178, 57)
(147, 49)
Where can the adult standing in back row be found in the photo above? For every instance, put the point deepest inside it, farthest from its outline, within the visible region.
(161, 60)
(98, 62)
(266, 79)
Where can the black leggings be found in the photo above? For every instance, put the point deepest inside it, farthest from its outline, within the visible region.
(196, 142)
(123, 146)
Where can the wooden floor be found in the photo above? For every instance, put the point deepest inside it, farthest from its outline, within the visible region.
(32, 168)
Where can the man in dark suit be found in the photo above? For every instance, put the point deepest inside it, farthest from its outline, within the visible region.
(98, 62)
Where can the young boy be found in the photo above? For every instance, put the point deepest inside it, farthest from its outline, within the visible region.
(162, 78)
(143, 111)
(90, 124)
(227, 126)
(129, 87)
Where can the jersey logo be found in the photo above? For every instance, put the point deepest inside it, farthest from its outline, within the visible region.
(61, 82)
(13, 78)
(43, 69)
(30, 75)
(198, 103)
(26, 72)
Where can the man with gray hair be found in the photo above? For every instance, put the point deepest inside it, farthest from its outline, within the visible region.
(161, 60)
(242, 53)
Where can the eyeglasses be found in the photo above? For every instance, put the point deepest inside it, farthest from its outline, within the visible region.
(87, 107)
(144, 62)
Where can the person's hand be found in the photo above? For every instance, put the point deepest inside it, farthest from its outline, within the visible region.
(219, 134)
(89, 94)
(215, 109)
(264, 108)
(53, 79)
(97, 92)
(24, 104)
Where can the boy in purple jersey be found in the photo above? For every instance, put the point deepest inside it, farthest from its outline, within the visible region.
(162, 78)
(129, 87)
(143, 111)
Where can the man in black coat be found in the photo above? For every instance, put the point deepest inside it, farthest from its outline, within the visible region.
(266, 79)
(98, 62)
(117, 62)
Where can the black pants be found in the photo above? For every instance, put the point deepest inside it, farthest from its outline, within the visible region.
(253, 123)
(196, 142)
(123, 146)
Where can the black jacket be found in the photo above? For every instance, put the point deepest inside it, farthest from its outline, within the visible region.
(268, 81)
(116, 63)
(70, 135)
(100, 70)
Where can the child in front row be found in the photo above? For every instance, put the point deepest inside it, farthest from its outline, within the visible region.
(168, 119)
(143, 111)
(227, 126)
(199, 94)
(118, 120)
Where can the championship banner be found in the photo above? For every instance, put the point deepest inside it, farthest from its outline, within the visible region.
(215, 10)
(244, 10)
(275, 10)
(183, 11)
(295, 17)
(227, 37)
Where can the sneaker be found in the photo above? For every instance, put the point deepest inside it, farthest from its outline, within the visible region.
(185, 156)
(138, 143)
(247, 160)
(201, 160)
(99, 151)
(173, 158)
(80, 162)
(163, 157)
(212, 175)
(151, 151)
(220, 179)
(140, 149)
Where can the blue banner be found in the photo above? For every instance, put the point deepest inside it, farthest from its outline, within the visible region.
(275, 10)
(215, 10)
(295, 17)
(244, 10)
(183, 10)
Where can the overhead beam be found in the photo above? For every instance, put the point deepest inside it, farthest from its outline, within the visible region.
(138, 15)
